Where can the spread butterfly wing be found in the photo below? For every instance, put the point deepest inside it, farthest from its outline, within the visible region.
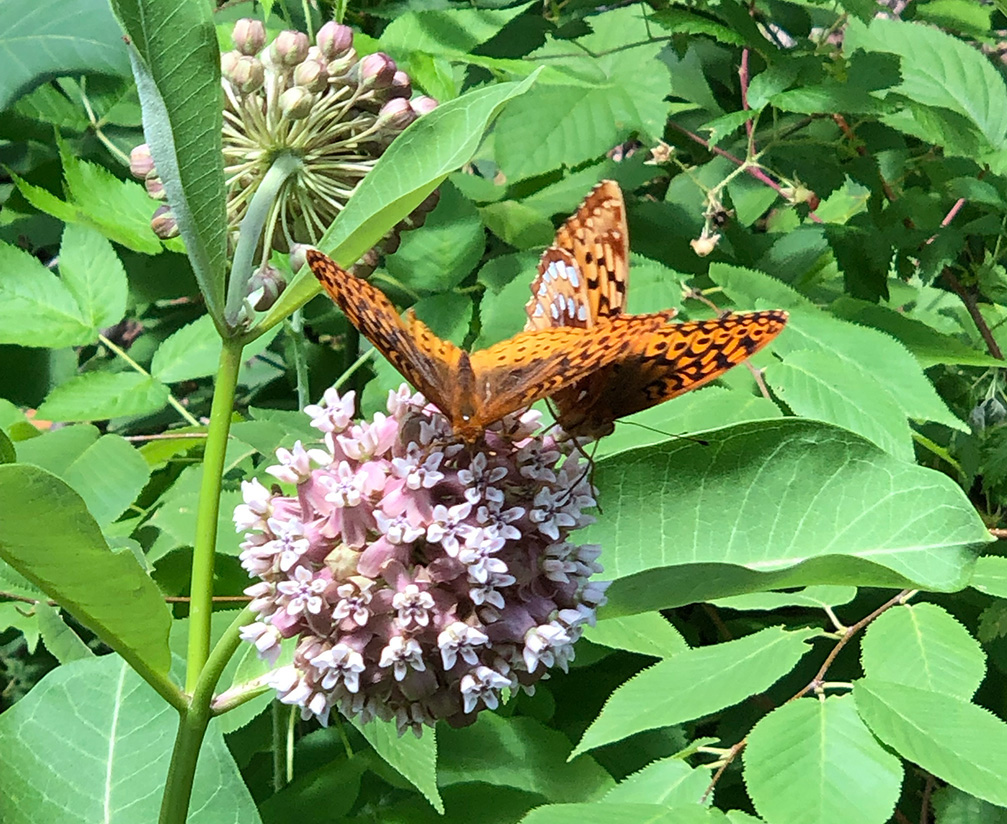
(424, 359)
(669, 362)
(536, 364)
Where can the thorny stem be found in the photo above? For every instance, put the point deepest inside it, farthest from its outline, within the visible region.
(172, 400)
(972, 306)
(815, 683)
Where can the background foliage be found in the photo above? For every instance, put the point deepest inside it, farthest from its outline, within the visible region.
(797, 598)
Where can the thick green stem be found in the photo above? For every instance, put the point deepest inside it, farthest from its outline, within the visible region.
(196, 717)
(201, 588)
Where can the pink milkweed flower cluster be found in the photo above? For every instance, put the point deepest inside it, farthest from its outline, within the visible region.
(421, 578)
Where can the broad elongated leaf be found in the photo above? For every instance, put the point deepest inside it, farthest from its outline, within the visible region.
(802, 759)
(668, 781)
(42, 39)
(99, 740)
(415, 759)
(691, 522)
(623, 813)
(958, 742)
(990, 576)
(695, 683)
(923, 646)
(412, 167)
(176, 64)
(648, 633)
(47, 534)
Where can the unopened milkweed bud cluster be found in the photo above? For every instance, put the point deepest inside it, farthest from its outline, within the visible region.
(335, 111)
(420, 579)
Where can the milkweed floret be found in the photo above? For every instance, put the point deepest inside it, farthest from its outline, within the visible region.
(420, 579)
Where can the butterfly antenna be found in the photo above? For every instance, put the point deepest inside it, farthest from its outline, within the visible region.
(700, 441)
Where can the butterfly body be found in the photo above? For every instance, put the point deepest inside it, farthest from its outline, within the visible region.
(583, 280)
(476, 389)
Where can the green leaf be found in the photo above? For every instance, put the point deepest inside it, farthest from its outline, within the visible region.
(816, 385)
(990, 576)
(923, 646)
(58, 638)
(963, 15)
(107, 591)
(668, 781)
(952, 806)
(191, 352)
(415, 759)
(445, 31)
(99, 740)
(176, 65)
(8, 454)
(413, 166)
(518, 752)
(939, 71)
(648, 633)
(97, 396)
(814, 597)
(803, 758)
(958, 742)
(863, 517)
(446, 251)
(623, 814)
(107, 472)
(36, 307)
(42, 39)
(695, 683)
(90, 269)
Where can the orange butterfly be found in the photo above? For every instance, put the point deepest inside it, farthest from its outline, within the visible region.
(582, 281)
(474, 390)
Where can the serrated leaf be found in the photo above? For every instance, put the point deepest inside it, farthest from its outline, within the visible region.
(992, 622)
(191, 352)
(623, 813)
(668, 781)
(415, 759)
(69, 559)
(693, 522)
(802, 759)
(446, 251)
(99, 740)
(42, 39)
(521, 753)
(59, 639)
(97, 396)
(923, 646)
(445, 31)
(36, 307)
(90, 269)
(695, 683)
(413, 166)
(990, 576)
(952, 806)
(816, 385)
(958, 742)
(648, 633)
(939, 71)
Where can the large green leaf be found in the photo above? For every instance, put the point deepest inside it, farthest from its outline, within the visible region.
(776, 504)
(803, 758)
(668, 781)
(47, 534)
(176, 64)
(415, 759)
(99, 740)
(923, 646)
(412, 167)
(623, 813)
(695, 683)
(958, 742)
(97, 396)
(42, 39)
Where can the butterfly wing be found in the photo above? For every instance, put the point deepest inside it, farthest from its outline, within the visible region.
(535, 364)
(668, 362)
(425, 360)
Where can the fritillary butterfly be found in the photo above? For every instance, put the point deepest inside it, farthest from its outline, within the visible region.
(582, 281)
(474, 390)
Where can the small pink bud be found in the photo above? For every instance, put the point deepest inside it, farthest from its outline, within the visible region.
(249, 35)
(296, 102)
(423, 105)
(163, 223)
(401, 86)
(290, 47)
(377, 71)
(395, 115)
(228, 60)
(248, 75)
(311, 74)
(141, 164)
(155, 188)
(265, 287)
(334, 39)
(298, 257)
